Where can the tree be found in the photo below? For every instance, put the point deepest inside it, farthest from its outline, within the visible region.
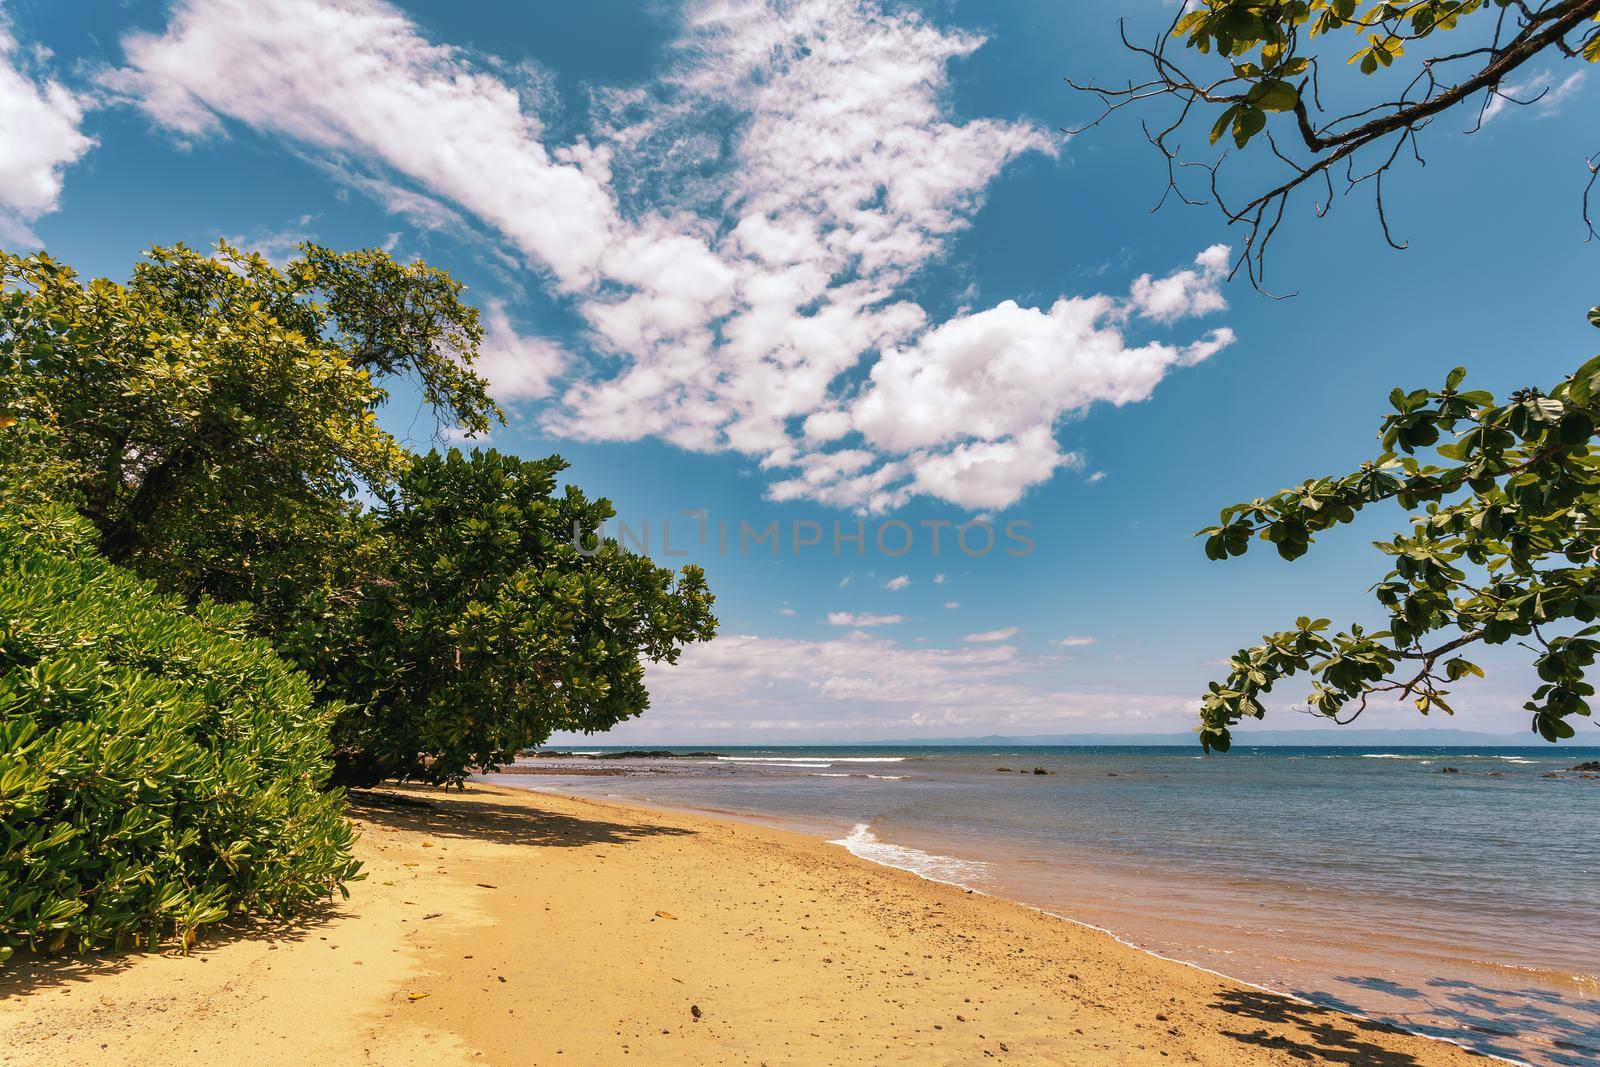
(220, 414)
(1506, 547)
(496, 616)
(215, 420)
(160, 769)
(1269, 87)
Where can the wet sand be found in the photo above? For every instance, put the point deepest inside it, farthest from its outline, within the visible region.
(508, 927)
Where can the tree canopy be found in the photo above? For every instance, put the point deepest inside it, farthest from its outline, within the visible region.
(218, 414)
(494, 616)
(216, 420)
(1504, 546)
(1264, 82)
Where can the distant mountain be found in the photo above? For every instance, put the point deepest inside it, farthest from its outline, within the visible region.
(1347, 738)
(1300, 738)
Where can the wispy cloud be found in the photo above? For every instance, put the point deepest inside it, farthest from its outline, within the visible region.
(846, 618)
(1073, 642)
(1538, 96)
(991, 636)
(867, 685)
(897, 583)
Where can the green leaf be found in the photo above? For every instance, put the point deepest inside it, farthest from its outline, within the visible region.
(1221, 125)
(1274, 96)
(1249, 122)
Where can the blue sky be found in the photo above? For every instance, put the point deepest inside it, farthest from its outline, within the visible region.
(835, 262)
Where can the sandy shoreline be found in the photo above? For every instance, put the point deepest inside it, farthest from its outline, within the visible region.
(505, 926)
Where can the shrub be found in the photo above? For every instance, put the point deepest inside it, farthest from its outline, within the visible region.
(159, 770)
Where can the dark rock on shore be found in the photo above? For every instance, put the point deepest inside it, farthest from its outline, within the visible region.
(572, 772)
(1592, 766)
(1040, 770)
(1448, 770)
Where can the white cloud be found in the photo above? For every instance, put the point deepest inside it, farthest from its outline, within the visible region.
(1094, 477)
(992, 636)
(897, 583)
(866, 685)
(1184, 292)
(738, 236)
(952, 604)
(846, 618)
(1539, 95)
(40, 136)
(939, 579)
(786, 611)
(517, 366)
(1073, 642)
(422, 211)
(276, 246)
(354, 77)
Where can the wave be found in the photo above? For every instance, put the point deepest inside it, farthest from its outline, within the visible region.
(811, 759)
(864, 844)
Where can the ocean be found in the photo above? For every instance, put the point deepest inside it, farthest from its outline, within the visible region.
(1465, 904)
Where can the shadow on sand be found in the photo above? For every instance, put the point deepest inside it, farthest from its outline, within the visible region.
(435, 813)
(32, 972)
(1321, 1034)
(441, 814)
(1499, 1020)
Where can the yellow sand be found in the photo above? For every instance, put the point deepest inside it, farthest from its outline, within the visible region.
(506, 927)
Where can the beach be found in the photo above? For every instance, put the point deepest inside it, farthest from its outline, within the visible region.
(507, 926)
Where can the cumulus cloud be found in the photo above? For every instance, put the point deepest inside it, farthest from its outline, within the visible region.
(846, 618)
(988, 637)
(40, 136)
(1184, 292)
(739, 236)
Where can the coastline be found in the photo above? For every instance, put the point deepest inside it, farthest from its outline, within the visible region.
(508, 925)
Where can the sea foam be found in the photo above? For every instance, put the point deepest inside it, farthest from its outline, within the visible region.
(863, 843)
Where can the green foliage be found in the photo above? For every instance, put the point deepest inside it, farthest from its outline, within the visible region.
(486, 628)
(159, 771)
(218, 414)
(1269, 45)
(214, 419)
(1505, 547)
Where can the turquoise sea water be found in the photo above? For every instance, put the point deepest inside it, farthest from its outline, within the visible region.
(1461, 904)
